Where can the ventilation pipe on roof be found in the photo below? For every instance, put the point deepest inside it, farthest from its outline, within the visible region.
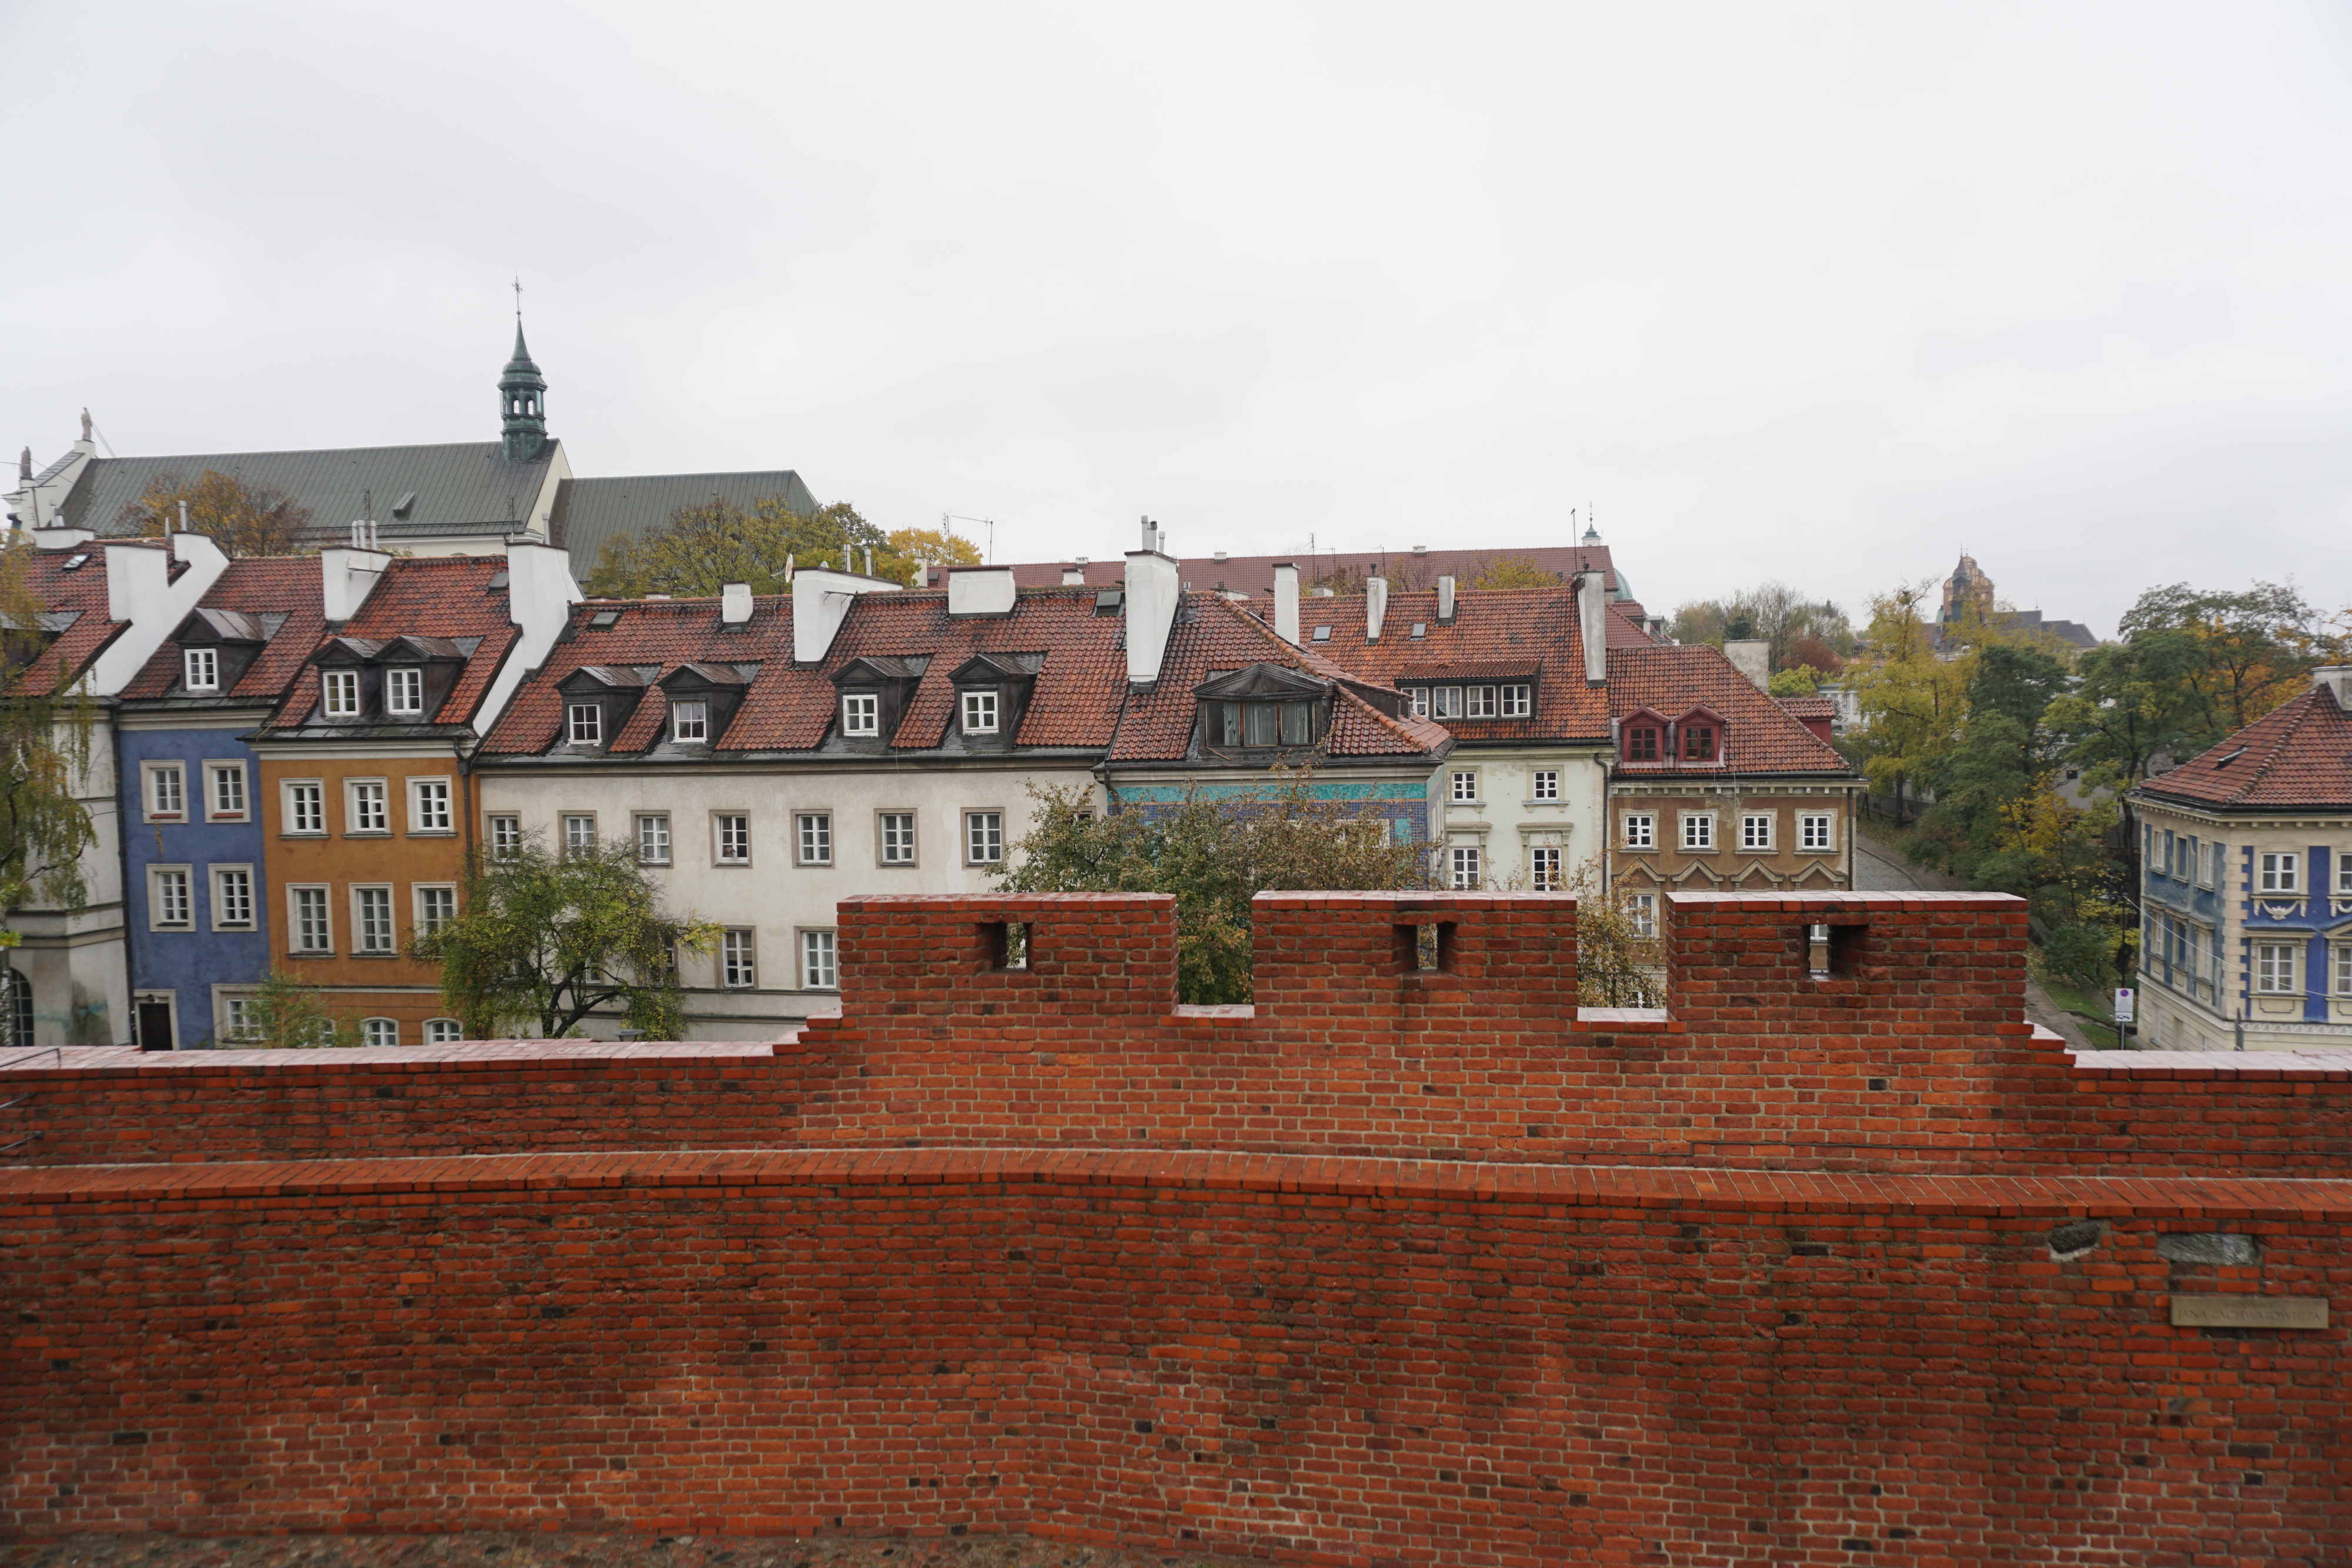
(821, 600)
(1285, 602)
(1592, 624)
(1376, 606)
(735, 604)
(1152, 598)
(1446, 601)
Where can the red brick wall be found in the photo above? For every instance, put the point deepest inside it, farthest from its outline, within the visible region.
(1357, 1360)
(1912, 1054)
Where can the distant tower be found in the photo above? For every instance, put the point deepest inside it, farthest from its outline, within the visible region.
(1967, 589)
(522, 403)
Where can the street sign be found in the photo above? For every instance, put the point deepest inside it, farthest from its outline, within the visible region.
(2123, 1004)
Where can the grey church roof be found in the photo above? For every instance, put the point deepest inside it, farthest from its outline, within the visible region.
(419, 492)
(589, 512)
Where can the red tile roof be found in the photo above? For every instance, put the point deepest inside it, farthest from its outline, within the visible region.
(80, 593)
(2294, 757)
(1254, 574)
(428, 596)
(284, 585)
(1495, 633)
(1759, 735)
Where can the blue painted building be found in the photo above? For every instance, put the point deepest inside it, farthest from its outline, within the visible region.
(2246, 884)
(199, 912)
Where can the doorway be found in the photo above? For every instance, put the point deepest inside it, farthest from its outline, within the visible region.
(154, 1022)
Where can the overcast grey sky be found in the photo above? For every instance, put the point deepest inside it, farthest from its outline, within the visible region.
(1820, 291)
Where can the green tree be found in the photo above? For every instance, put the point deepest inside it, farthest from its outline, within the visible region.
(707, 547)
(1513, 572)
(1912, 702)
(45, 757)
(1214, 856)
(1619, 960)
(283, 1014)
(2228, 658)
(934, 547)
(1801, 630)
(544, 940)
(243, 519)
(1801, 681)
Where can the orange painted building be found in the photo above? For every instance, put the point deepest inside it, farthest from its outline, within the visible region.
(366, 805)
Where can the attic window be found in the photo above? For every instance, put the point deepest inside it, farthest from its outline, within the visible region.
(400, 507)
(1421, 628)
(2227, 757)
(74, 563)
(1107, 602)
(200, 669)
(1698, 743)
(603, 618)
(1642, 743)
(1263, 724)
(1322, 634)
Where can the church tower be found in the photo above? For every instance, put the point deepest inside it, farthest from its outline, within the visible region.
(522, 403)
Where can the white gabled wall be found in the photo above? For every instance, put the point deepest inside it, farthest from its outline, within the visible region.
(540, 592)
(821, 601)
(141, 589)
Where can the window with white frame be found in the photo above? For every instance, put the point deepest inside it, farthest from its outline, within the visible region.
(429, 806)
(372, 920)
(2167, 847)
(380, 1031)
(984, 837)
(506, 835)
(1465, 784)
(733, 837)
(1478, 702)
(1419, 702)
(309, 924)
(443, 1031)
(1644, 907)
(1756, 829)
(690, 723)
(653, 837)
(583, 723)
(861, 714)
(1462, 870)
(172, 901)
(1518, 702)
(980, 712)
(1543, 869)
(1546, 785)
(813, 832)
(370, 811)
(200, 670)
(232, 896)
(898, 838)
(1698, 830)
(236, 1019)
(340, 692)
(2216, 863)
(404, 690)
(2344, 871)
(2344, 969)
(2279, 871)
(1816, 831)
(225, 800)
(2274, 967)
(1640, 829)
(435, 907)
(739, 959)
(818, 970)
(167, 793)
(1445, 701)
(579, 833)
(306, 806)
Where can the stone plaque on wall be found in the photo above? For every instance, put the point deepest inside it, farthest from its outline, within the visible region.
(2221, 1311)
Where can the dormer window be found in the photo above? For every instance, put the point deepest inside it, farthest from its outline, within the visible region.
(200, 669)
(1262, 707)
(980, 712)
(404, 690)
(1263, 724)
(340, 690)
(583, 723)
(1698, 743)
(861, 714)
(1642, 743)
(690, 723)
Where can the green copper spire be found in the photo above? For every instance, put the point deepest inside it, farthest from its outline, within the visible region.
(523, 400)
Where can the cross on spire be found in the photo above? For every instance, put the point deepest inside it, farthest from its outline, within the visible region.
(518, 288)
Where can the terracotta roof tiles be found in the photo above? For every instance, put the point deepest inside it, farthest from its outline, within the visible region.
(285, 585)
(428, 596)
(80, 593)
(1759, 735)
(2295, 757)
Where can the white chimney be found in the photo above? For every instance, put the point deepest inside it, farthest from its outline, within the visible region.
(1752, 658)
(1073, 576)
(979, 591)
(1150, 601)
(61, 538)
(1376, 606)
(734, 603)
(1592, 624)
(2336, 679)
(1285, 602)
(821, 599)
(142, 591)
(540, 592)
(346, 577)
(1446, 601)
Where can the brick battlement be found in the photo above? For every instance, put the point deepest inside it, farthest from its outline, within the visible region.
(1397, 1265)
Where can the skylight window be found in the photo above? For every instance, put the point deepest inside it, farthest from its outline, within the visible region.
(1322, 634)
(2227, 757)
(603, 618)
(74, 563)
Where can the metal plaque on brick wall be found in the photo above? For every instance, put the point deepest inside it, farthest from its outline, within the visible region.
(2221, 1311)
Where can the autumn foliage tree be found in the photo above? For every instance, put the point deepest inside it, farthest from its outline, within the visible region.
(243, 519)
(705, 547)
(45, 757)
